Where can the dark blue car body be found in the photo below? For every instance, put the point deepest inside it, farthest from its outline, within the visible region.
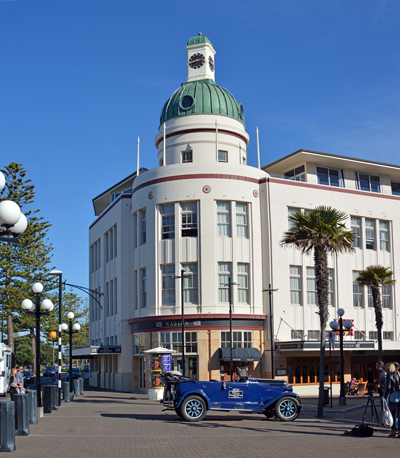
(192, 399)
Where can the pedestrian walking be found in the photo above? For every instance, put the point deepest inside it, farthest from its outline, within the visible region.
(393, 392)
(381, 382)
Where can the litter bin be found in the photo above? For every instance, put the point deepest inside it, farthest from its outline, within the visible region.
(326, 395)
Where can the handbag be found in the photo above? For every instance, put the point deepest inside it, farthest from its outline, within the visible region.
(387, 416)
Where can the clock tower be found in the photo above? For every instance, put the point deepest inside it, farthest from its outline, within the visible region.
(200, 59)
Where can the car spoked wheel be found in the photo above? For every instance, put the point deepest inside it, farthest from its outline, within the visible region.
(193, 408)
(287, 409)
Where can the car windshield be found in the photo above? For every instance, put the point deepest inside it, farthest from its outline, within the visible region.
(76, 370)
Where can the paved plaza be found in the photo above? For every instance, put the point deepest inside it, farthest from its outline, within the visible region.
(106, 424)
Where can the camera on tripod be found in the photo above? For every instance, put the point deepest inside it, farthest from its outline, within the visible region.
(370, 388)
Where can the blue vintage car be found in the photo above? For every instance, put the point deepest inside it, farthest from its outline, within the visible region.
(191, 399)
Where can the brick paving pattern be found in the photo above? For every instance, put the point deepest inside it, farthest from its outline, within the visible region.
(108, 424)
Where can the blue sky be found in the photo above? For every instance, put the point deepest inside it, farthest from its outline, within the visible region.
(82, 79)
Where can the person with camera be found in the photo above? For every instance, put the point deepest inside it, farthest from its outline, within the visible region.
(393, 391)
(381, 382)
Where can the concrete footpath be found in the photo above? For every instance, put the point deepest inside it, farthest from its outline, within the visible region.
(106, 424)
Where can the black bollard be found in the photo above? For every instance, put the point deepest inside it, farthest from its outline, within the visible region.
(54, 397)
(21, 415)
(47, 399)
(76, 387)
(66, 392)
(7, 430)
(32, 406)
(80, 386)
(83, 386)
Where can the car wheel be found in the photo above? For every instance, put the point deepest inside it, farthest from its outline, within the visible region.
(287, 409)
(193, 408)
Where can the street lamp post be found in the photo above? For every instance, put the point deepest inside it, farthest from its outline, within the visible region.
(175, 277)
(72, 329)
(59, 274)
(47, 307)
(271, 325)
(229, 285)
(340, 326)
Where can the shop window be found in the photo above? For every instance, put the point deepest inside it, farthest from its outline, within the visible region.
(305, 370)
(189, 219)
(138, 343)
(173, 341)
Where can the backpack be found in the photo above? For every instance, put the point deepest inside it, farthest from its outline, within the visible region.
(362, 430)
(393, 383)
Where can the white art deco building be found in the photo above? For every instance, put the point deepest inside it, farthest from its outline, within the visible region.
(204, 210)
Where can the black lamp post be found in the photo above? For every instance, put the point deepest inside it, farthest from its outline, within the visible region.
(229, 285)
(72, 329)
(340, 326)
(47, 307)
(59, 274)
(271, 325)
(175, 277)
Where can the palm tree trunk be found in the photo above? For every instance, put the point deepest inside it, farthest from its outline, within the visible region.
(376, 300)
(322, 285)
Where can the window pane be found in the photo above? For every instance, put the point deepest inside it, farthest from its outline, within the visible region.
(363, 181)
(322, 174)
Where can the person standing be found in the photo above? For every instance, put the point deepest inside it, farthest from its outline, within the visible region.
(20, 378)
(393, 391)
(13, 384)
(381, 382)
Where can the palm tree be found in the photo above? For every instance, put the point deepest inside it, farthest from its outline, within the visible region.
(322, 231)
(375, 277)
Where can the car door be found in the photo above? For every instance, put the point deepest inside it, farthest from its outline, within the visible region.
(235, 397)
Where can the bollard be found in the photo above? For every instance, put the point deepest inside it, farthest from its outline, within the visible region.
(32, 407)
(76, 387)
(21, 415)
(7, 430)
(80, 386)
(83, 386)
(66, 392)
(47, 399)
(54, 396)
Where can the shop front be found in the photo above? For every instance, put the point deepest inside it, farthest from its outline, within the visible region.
(207, 341)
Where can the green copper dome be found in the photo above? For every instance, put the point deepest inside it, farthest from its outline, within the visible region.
(201, 97)
(199, 39)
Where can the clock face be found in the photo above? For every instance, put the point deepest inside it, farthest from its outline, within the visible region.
(197, 60)
(211, 63)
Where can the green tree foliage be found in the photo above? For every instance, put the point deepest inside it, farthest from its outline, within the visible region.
(23, 351)
(375, 277)
(323, 232)
(21, 265)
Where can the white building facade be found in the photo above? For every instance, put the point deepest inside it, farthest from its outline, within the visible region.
(205, 211)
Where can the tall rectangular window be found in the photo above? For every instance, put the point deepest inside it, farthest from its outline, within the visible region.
(143, 287)
(115, 241)
(330, 177)
(187, 156)
(142, 227)
(136, 289)
(384, 235)
(107, 246)
(356, 228)
(111, 244)
(386, 290)
(368, 182)
(243, 283)
(189, 219)
(291, 211)
(311, 286)
(223, 219)
(241, 220)
(107, 299)
(168, 284)
(168, 221)
(369, 234)
(115, 296)
(190, 284)
(111, 298)
(224, 273)
(222, 156)
(370, 298)
(295, 285)
(357, 291)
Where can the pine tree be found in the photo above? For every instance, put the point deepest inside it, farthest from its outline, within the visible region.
(21, 265)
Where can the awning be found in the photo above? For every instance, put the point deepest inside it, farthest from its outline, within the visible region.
(240, 354)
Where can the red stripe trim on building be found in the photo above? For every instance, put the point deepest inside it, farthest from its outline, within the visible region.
(191, 131)
(196, 176)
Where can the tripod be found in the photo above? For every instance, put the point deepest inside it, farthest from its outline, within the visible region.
(374, 412)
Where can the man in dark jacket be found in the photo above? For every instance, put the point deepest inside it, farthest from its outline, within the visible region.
(381, 381)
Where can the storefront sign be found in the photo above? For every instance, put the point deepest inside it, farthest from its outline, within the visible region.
(203, 323)
(315, 345)
(167, 362)
(106, 350)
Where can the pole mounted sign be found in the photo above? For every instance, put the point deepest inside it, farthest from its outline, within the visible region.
(331, 338)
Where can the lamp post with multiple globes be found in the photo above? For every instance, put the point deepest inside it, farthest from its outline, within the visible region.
(72, 329)
(35, 309)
